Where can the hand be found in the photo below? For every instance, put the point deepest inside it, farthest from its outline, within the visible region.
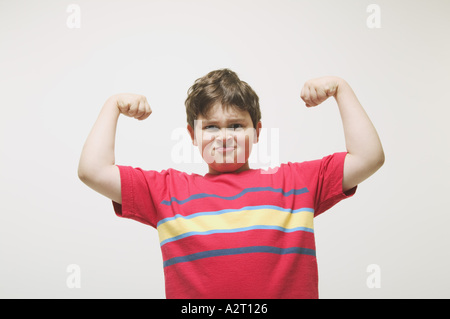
(316, 91)
(133, 105)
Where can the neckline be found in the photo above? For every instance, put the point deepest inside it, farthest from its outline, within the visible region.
(250, 170)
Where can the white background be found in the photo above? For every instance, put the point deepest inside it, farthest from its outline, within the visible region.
(54, 80)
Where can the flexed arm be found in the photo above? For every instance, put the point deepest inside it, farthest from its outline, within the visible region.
(97, 167)
(365, 152)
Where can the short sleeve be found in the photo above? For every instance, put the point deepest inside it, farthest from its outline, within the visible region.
(330, 175)
(140, 191)
(323, 179)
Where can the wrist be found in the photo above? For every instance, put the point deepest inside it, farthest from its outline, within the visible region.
(111, 105)
(341, 87)
(340, 83)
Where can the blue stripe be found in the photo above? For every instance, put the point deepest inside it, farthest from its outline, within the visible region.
(224, 211)
(236, 230)
(245, 191)
(237, 251)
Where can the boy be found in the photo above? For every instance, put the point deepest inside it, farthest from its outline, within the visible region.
(235, 232)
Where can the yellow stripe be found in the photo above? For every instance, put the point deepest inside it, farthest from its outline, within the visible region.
(236, 219)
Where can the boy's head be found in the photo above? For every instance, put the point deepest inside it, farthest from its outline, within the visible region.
(223, 118)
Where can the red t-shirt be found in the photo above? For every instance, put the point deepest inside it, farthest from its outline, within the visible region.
(236, 235)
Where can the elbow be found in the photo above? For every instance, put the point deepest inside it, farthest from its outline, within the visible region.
(84, 175)
(382, 160)
(379, 160)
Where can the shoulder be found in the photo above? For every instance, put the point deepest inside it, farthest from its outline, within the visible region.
(331, 159)
(155, 174)
(312, 167)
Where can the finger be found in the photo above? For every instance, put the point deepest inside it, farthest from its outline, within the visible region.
(133, 109)
(142, 117)
(143, 114)
(140, 110)
(331, 90)
(123, 107)
(321, 95)
(305, 95)
(302, 93)
(313, 99)
(146, 113)
(148, 108)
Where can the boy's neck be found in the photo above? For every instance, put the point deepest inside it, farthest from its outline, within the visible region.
(243, 168)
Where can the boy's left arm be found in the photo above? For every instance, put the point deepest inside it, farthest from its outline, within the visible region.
(365, 152)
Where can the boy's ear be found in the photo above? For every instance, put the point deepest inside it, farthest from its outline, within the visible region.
(192, 134)
(258, 130)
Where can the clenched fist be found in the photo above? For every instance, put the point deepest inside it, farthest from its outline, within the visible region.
(316, 91)
(133, 105)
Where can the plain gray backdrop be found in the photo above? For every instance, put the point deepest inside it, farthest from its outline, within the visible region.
(56, 74)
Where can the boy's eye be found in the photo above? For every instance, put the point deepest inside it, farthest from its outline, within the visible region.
(215, 128)
(211, 128)
(236, 126)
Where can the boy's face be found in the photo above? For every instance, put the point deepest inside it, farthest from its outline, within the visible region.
(225, 137)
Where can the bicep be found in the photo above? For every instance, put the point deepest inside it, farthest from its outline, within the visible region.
(357, 169)
(106, 181)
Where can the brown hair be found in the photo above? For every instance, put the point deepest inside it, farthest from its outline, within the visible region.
(222, 86)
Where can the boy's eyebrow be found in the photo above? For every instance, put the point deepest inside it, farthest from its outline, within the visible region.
(230, 119)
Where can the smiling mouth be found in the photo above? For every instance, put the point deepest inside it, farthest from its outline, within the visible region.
(225, 149)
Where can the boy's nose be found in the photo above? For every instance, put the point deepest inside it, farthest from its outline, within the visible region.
(225, 135)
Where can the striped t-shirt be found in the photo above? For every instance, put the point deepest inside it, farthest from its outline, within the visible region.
(236, 235)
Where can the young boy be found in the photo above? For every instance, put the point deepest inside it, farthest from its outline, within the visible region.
(235, 232)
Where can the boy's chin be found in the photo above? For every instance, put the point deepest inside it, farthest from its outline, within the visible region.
(222, 168)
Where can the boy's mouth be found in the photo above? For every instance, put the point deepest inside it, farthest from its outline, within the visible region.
(225, 149)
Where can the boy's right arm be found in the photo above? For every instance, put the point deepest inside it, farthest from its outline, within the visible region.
(97, 167)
